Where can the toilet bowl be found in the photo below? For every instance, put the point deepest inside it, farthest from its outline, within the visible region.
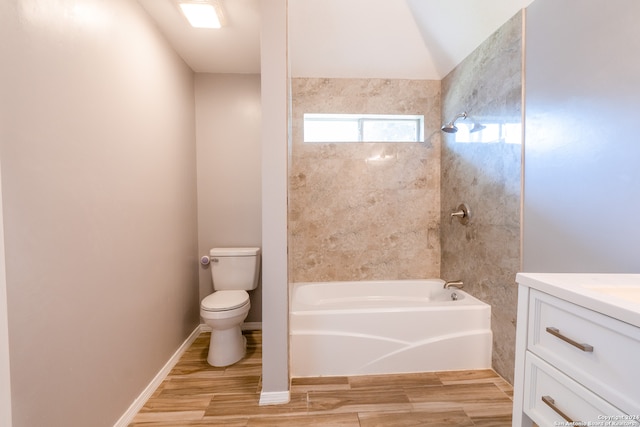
(234, 271)
(224, 312)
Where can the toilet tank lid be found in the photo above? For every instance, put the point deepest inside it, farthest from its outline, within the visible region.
(222, 252)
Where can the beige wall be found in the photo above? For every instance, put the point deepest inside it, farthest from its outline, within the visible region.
(228, 145)
(274, 150)
(99, 194)
(485, 253)
(363, 211)
(5, 372)
(582, 107)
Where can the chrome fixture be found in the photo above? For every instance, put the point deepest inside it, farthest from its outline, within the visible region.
(454, 284)
(206, 260)
(451, 126)
(463, 214)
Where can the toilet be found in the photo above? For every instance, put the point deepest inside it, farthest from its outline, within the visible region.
(234, 271)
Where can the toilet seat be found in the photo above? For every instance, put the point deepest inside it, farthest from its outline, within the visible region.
(225, 300)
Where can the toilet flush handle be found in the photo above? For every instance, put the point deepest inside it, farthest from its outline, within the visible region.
(206, 260)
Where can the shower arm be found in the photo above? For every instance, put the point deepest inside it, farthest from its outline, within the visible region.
(462, 115)
(451, 126)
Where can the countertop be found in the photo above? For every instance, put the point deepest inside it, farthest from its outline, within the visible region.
(615, 295)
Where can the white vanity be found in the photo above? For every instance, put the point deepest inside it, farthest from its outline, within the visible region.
(577, 350)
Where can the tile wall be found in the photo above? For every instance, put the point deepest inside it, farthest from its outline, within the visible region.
(364, 211)
(483, 170)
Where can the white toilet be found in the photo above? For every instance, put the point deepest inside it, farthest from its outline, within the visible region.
(234, 272)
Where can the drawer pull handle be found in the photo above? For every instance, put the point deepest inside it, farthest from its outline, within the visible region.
(556, 333)
(552, 404)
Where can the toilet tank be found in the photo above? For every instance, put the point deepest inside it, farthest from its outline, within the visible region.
(235, 268)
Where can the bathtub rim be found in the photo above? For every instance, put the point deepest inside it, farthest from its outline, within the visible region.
(466, 303)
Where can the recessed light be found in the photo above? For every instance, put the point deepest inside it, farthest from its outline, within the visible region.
(201, 14)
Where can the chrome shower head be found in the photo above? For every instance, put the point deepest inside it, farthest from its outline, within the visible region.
(451, 126)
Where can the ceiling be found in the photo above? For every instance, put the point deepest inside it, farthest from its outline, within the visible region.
(412, 39)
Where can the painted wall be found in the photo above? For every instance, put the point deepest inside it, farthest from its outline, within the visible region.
(97, 144)
(274, 142)
(482, 169)
(229, 170)
(582, 178)
(365, 211)
(5, 368)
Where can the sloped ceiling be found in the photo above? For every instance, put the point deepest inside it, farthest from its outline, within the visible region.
(413, 39)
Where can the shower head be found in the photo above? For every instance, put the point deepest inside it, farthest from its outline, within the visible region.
(451, 126)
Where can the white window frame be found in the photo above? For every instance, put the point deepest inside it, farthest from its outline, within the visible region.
(360, 120)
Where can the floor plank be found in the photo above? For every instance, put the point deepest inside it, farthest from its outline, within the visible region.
(195, 394)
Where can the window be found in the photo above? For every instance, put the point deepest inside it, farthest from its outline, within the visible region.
(508, 133)
(363, 128)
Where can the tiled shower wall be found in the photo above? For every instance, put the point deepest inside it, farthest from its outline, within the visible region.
(364, 211)
(485, 254)
(361, 211)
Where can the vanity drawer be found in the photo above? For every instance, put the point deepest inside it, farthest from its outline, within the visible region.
(551, 398)
(598, 351)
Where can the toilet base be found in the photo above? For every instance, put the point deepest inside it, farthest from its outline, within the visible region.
(226, 347)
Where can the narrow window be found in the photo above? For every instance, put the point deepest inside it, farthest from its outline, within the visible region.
(363, 128)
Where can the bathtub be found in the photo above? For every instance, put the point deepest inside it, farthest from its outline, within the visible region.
(385, 327)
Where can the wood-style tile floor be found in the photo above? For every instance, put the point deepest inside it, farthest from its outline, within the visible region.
(196, 394)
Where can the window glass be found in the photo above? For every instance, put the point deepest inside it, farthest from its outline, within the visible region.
(363, 128)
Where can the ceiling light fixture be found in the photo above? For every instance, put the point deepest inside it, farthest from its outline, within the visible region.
(202, 14)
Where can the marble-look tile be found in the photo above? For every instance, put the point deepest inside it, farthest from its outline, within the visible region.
(485, 254)
(364, 211)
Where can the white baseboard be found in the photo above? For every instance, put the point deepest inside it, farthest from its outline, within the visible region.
(274, 398)
(137, 404)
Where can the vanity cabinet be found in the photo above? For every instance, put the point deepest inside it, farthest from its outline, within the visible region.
(577, 362)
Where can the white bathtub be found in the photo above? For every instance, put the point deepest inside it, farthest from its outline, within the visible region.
(384, 327)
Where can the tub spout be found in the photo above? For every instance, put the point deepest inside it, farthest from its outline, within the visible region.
(454, 284)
